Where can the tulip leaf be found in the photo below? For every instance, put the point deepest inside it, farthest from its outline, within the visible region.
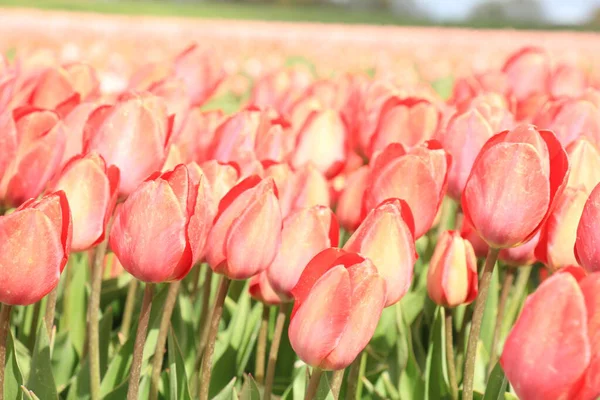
(496, 384)
(250, 389)
(299, 383)
(178, 378)
(13, 379)
(227, 393)
(436, 375)
(118, 369)
(119, 393)
(386, 334)
(488, 323)
(324, 389)
(80, 386)
(75, 302)
(443, 86)
(105, 329)
(64, 360)
(41, 380)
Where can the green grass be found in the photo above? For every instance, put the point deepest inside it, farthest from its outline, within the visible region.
(255, 11)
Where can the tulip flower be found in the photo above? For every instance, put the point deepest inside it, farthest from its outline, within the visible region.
(74, 124)
(200, 71)
(557, 241)
(91, 189)
(567, 81)
(513, 185)
(452, 275)
(305, 233)
(247, 229)
(349, 204)
(166, 209)
(33, 152)
(522, 255)
(417, 177)
(35, 246)
(137, 121)
(570, 118)
(261, 290)
(587, 252)
(221, 178)
(196, 134)
(386, 237)
(304, 188)
(556, 355)
(341, 296)
(410, 122)
(463, 139)
(584, 160)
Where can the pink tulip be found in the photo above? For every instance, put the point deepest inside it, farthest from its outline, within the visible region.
(261, 290)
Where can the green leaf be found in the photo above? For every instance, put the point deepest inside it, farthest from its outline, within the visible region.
(386, 334)
(23, 358)
(324, 389)
(114, 289)
(227, 393)
(436, 375)
(105, 330)
(13, 379)
(64, 360)
(80, 386)
(250, 389)
(178, 378)
(299, 383)
(119, 393)
(118, 369)
(496, 385)
(29, 394)
(488, 323)
(75, 298)
(443, 86)
(41, 379)
(412, 305)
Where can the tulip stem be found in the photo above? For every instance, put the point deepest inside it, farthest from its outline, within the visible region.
(353, 375)
(93, 319)
(313, 384)
(195, 282)
(206, 368)
(506, 286)
(163, 330)
(37, 309)
(261, 346)
(128, 310)
(274, 351)
(140, 340)
(50, 310)
(450, 355)
(336, 382)
(204, 315)
(484, 285)
(4, 327)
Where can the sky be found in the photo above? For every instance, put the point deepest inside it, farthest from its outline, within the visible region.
(557, 11)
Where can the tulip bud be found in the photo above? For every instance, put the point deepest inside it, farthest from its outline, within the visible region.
(74, 124)
(584, 160)
(322, 142)
(196, 134)
(554, 355)
(567, 81)
(587, 251)
(341, 296)
(221, 178)
(513, 185)
(522, 255)
(305, 233)
(452, 275)
(463, 139)
(164, 209)
(305, 188)
(261, 290)
(35, 246)
(91, 189)
(40, 142)
(417, 177)
(528, 72)
(112, 266)
(201, 72)
(247, 229)
(137, 122)
(349, 206)
(569, 119)
(386, 237)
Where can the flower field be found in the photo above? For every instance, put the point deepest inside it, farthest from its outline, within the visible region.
(221, 209)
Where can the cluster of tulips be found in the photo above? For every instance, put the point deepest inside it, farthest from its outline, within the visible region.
(320, 192)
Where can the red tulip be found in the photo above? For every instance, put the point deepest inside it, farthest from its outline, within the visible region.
(35, 246)
(570, 118)
(221, 177)
(261, 290)
(452, 275)
(417, 177)
(467, 231)
(304, 188)
(555, 355)
(74, 124)
(338, 301)
(522, 255)
(91, 189)
(165, 209)
(410, 122)
(305, 233)
(196, 134)
(132, 135)
(463, 139)
(200, 71)
(587, 251)
(386, 237)
(247, 229)
(349, 205)
(34, 150)
(322, 141)
(513, 185)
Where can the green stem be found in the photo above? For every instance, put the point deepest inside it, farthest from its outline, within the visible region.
(206, 368)
(204, 316)
(37, 310)
(353, 378)
(140, 341)
(450, 355)
(163, 330)
(484, 285)
(506, 286)
(128, 310)
(50, 310)
(313, 384)
(336, 382)
(261, 346)
(93, 319)
(4, 327)
(195, 282)
(274, 351)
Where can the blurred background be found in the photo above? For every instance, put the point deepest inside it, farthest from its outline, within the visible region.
(519, 14)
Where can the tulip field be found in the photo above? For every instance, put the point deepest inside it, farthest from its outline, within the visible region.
(210, 209)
